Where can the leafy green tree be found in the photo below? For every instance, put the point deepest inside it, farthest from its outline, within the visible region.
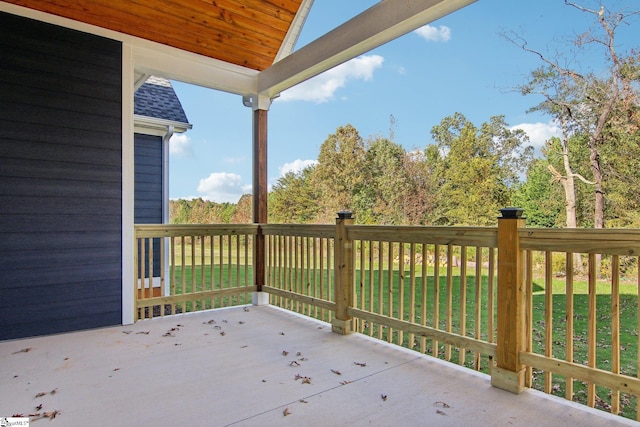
(338, 175)
(477, 168)
(293, 199)
(539, 196)
(589, 101)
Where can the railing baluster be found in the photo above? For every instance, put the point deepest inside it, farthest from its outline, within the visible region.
(591, 334)
(548, 316)
(412, 290)
(478, 306)
(569, 325)
(436, 296)
(615, 329)
(449, 315)
(423, 294)
(462, 329)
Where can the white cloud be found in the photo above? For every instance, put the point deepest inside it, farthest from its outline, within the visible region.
(434, 34)
(296, 166)
(180, 144)
(539, 133)
(223, 187)
(322, 88)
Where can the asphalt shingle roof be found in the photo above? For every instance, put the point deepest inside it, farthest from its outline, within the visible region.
(156, 98)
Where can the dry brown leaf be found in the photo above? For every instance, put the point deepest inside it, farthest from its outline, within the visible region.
(211, 322)
(17, 416)
(241, 322)
(285, 352)
(51, 415)
(336, 372)
(286, 412)
(306, 380)
(116, 369)
(297, 377)
(303, 401)
(142, 333)
(42, 393)
(223, 333)
(39, 407)
(441, 404)
(294, 363)
(281, 333)
(54, 391)
(126, 332)
(246, 309)
(345, 382)
(298, 354)
(24, 350)
(440, 412)
(360, 364)
(383, 397)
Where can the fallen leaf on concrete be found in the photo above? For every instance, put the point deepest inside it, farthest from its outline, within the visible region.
(285, 352)
(441, 404)
(39, 407)
(303, 401)
(306, 380)
(142, 333)
(168, 334)
(286, 412)
(54, 391)
(24, 350)
(126, 332)
(345, 382)
(42, 393)
(383, 397)
(336, 372)
(222, 333)
(298, 354)
(281, 333)
(303, 359)
(294, 363)
(360, 364)
(51, 415)
(17, 416)
(440, 412)
(241, 322)
(246, 309)
(116, 369)
(211, 322)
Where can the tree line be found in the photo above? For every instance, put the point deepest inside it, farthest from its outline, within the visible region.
(587, 177)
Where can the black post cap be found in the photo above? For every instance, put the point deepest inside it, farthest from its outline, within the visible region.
(345, 215)
(511, 212)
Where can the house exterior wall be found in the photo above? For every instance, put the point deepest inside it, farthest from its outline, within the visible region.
(148, 189)
(60, 179)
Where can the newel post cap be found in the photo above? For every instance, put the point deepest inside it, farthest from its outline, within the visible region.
(345, 214)
(511, 212)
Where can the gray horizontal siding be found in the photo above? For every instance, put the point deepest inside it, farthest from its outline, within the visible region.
(60, 179)
(148, 189)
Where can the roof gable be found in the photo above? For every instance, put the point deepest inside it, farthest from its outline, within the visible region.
(157, 99)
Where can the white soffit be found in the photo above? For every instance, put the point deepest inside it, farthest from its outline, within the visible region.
(376, 26)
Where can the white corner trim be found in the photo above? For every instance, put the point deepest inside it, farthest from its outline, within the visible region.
(128, 179)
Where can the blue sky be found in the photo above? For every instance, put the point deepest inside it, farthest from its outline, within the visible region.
(459, 63)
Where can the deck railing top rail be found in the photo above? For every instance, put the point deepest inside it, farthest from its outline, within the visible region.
(600, 241)
(177, 230)
(463, 236)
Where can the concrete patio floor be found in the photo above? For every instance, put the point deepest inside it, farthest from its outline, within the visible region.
(256, 366)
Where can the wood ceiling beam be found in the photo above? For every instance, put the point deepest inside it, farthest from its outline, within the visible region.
(377, 25)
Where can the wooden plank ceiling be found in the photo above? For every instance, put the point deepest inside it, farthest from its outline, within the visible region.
(248, 33)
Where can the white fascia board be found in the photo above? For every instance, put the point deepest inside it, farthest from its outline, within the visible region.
(158, 59)
(176, 64)
(154, 126)
(290, 40)
(376, 26)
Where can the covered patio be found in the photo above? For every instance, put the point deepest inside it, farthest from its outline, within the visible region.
(257, 366)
